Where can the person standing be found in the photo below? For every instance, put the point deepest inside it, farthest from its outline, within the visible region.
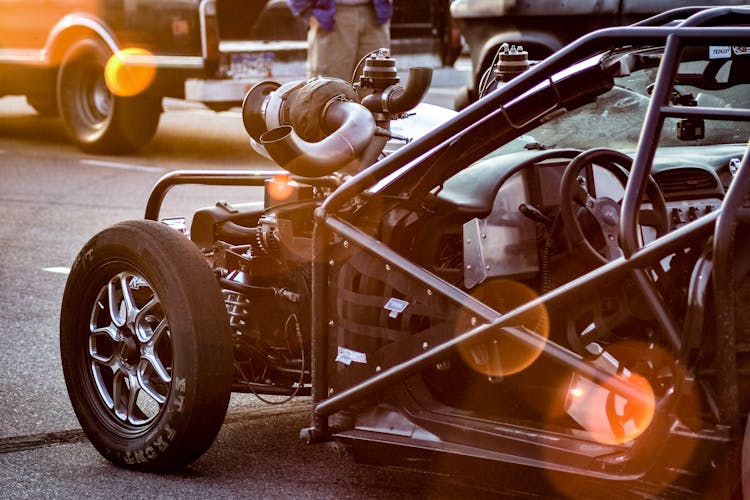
(341, 32)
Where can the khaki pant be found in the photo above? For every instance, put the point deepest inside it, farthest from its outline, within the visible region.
(355, 34)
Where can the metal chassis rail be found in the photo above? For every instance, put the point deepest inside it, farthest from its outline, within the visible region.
(634, 262)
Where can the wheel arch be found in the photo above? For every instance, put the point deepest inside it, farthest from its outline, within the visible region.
(72, 28)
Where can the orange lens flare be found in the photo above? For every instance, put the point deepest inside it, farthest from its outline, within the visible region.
(502, 355)
(281, 187)
(130, 71)
(611, 418)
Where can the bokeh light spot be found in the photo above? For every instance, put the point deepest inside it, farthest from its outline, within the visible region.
(609, 417)
(501, 355)
(130, 71)
(280, 187)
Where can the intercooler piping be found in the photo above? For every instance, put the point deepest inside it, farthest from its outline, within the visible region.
(353, 128)
(397, 99)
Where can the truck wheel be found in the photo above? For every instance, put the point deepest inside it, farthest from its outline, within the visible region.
(97, 120)
(146, 347)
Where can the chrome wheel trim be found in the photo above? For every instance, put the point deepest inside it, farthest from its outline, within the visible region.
(95, 100)
(130, 351)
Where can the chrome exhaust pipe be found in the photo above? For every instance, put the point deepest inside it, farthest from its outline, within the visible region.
(352, 129)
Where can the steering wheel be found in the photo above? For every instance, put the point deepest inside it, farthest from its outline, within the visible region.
(579, 205)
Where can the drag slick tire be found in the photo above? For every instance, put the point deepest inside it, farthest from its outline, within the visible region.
(146, 346)
(97, 120)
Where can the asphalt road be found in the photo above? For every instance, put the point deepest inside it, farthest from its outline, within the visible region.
(52, 199)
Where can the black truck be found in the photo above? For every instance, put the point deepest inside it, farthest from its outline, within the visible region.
(59, 54)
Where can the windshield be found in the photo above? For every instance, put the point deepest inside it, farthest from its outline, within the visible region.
(615, 118)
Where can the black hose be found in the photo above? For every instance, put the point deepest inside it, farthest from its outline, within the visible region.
(397, 99)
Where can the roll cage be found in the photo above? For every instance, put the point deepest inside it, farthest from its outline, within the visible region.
(723, 224)
(506, 111)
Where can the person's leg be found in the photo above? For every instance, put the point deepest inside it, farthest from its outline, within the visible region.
(333, 53)
(372, 35)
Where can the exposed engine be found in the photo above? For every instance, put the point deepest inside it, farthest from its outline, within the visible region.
(262, 254)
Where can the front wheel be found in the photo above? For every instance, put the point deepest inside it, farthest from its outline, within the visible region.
(146, 347)
(97, 120)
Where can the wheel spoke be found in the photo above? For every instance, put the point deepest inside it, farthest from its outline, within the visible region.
(142, 325)
(101, 304)
(113, 301)
(107, 359)
(134, 410)
(110, 331)
(146, 385)
(101, 385)
(148, 352)
(131, 309)
(121, 392)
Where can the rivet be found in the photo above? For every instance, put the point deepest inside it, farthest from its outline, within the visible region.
(387, 267)
(377, 369)
(425, 345)
(346, 244)
(429, 292)
(473, 321)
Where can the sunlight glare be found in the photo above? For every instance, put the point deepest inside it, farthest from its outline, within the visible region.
(610, 418)
(280, 187)
(130, 71)
(501, 355)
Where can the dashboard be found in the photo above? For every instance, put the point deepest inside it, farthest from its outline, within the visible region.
(507, 199)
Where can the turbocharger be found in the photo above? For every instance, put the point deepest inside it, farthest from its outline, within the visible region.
(319, 126)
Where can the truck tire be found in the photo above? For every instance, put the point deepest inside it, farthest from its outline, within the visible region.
(146, 346)
(97, 120)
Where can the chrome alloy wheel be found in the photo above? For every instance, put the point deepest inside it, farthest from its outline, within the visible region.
(130, 350)
(145, 346)
(95, 100)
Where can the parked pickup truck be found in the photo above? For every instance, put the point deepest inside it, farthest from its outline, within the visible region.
(542, 27)
(105, 65)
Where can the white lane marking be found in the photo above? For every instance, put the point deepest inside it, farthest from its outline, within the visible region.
(58, 270)
(121, 166)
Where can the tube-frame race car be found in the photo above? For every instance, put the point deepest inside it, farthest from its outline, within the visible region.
(555, 279)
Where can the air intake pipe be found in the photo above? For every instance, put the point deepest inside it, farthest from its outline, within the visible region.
(353, 128)
(312, 128)
(395, 99)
